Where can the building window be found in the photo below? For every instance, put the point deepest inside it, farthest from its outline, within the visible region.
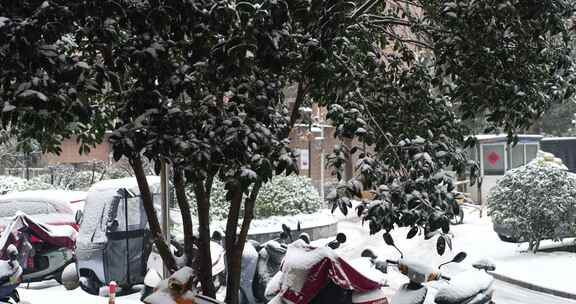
(517, 156)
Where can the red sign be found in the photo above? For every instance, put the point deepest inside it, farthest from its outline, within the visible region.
(493, 158)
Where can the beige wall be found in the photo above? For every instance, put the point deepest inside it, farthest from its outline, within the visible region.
(70, 153)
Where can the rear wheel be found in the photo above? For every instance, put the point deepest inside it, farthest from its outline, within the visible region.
(91, 284)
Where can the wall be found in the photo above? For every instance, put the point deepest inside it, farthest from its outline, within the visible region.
(70, 155)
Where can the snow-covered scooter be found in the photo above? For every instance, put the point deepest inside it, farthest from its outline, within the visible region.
(260, 262)
(468, 287)
(10, 276)
(317, 275)
(155, 267)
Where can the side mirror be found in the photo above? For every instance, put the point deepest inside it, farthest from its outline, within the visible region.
(459, 257)
(367, 253)
(78, 217)
(341, 238)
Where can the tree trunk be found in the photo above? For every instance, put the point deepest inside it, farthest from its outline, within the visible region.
(189, 240)
(204, 255)
(349, 166)
(148, 203)
(295, 114)
(234, 249)
(233, 256)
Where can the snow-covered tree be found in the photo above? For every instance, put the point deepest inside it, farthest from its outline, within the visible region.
(535, 201)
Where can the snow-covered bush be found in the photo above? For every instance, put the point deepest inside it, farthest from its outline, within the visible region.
(12, 183)
(75, 180)
(535, 202)
(284, 195)
(287, 195)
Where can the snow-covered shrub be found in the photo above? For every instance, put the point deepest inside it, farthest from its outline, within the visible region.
(287, 195)
(535, 202)
(75, 180)
(115, 173)
(284, 195)
(12, 183)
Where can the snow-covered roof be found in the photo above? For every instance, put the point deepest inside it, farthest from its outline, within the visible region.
(482, 138)
(558, 138)
(125, 183)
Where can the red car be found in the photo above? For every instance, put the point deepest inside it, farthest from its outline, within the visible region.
(53, 207)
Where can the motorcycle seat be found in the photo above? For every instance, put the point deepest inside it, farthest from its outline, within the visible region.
(463, 286)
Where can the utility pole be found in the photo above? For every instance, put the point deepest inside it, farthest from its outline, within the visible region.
(164, 199)
(310, 139)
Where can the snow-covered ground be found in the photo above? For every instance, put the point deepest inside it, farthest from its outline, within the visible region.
(477, 238)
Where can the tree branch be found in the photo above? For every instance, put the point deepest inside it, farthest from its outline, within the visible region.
(411, 3)
(407, 40)
(189, 239)
(390, 144)
(249, 212)
(300, 94)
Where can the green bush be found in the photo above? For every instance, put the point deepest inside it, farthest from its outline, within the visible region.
(284, 195)
(536, 201)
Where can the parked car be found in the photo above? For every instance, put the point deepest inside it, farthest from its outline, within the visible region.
(50, 207)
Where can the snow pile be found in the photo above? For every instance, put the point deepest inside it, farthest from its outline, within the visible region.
(274, 223)
(464, 285)
(549, 160)
(367, 269)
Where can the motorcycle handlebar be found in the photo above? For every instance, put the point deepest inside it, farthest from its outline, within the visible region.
(393, 262)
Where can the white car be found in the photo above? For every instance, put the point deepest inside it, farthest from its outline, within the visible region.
(54, 207)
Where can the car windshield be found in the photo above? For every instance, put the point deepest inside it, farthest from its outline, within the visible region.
(8, 209)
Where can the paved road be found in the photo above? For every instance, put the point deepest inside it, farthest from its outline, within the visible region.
(505, 293)
(510, 294)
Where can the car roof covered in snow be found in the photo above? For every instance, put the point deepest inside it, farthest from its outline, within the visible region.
(60, 199)
(66, 196)
(129, 183)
